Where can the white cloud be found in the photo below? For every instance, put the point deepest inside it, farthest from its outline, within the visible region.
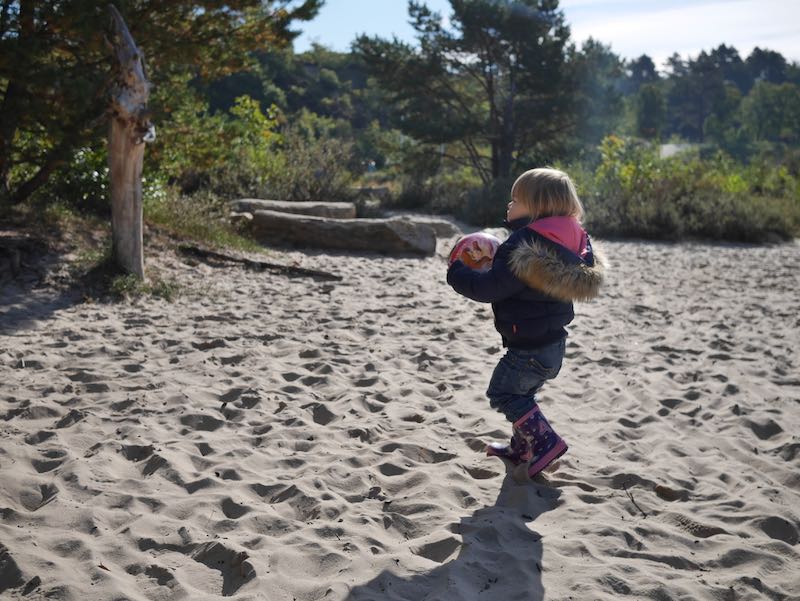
(649, 28)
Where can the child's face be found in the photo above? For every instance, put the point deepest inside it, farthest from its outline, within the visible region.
(516, 210)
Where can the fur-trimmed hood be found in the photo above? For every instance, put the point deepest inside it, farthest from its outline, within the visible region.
(574, 274)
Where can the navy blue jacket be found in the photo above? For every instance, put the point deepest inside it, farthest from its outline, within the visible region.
(525, 316)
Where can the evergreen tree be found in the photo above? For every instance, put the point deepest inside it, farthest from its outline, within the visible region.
(494, 82)
(639, 71)
(650, 111)
(767, 65)
(598, 75)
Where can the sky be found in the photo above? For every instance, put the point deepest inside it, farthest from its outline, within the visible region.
(657, 28)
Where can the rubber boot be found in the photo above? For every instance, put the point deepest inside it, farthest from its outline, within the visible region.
(546, 445)
(518, 451)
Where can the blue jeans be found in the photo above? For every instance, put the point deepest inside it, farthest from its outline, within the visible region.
(520, 374)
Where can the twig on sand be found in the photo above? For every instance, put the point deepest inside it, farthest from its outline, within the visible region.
(189, 249)
(630, 496)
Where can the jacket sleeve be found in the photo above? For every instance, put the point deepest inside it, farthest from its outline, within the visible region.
(486, 287)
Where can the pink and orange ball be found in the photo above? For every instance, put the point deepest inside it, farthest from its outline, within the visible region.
(476, 251)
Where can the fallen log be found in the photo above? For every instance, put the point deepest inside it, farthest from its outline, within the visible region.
(392, 236)
(196, 251)
(336, 210)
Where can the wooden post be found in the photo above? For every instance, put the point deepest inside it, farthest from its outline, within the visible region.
(130, 129)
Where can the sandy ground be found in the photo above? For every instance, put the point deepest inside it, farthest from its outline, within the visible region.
(290, 439)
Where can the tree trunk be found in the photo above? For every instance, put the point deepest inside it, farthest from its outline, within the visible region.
(125, 157)
(129, 129)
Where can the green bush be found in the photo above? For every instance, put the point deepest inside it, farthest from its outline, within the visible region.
(312, 164)
(254, 153)
(202, 216)
(446, 192)
(634, 193)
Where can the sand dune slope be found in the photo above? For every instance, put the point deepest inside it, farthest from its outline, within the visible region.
(285, 439)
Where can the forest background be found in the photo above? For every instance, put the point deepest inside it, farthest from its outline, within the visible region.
(708, 148)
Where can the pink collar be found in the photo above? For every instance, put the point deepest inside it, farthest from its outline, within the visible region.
(566, 231)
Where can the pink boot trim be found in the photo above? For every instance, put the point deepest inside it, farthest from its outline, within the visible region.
(557, 451)
(525, 417)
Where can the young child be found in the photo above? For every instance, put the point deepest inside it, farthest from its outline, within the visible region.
(546, 264)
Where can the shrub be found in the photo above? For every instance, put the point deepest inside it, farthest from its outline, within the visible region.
(634, 193)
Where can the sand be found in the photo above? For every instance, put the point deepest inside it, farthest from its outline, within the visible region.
(290, 439)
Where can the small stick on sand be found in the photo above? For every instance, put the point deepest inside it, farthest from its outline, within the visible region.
(630, 496)
(189, 249)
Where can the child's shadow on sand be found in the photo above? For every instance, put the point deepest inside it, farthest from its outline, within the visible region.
(500, 558)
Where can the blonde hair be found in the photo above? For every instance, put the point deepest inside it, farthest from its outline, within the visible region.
(547, 192)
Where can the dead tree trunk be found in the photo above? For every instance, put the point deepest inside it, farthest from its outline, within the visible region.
(130, 129)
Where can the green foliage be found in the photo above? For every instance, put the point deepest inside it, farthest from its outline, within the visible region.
(486, 206)
(494, 81)
(449, 191)
(250, 152)
(650, 111)
(447, 123)
(634, 193)
(130, 287)
(314, 163)
(597, 74)
(54, 68)
(83, 185)
(94, 269)
(771, 112)
(202, 217)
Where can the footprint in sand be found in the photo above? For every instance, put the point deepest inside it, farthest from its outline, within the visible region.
(232, 565)
(204, 448)
(417, 453)
(321, 414)
(764, 429)
(204, 423)
(35, 500)
(137, 452)
(162, 576)
(480, 473)
(780, 529)
(439, 550)
(693, 527)
(71, 418)
(38, 437)
(210, 345)
(154, 463)
(306, 508)
(232, 509)
(52, 459)
(389, 469)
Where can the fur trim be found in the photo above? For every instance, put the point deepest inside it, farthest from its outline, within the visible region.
(538, 264)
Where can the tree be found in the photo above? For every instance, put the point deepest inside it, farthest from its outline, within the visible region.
(727, 60)
(130, 129)
(598, 75)
(640, 71)
(54, 67)
(650, 111)
(767, 65)
(494, 82)
(771, 112)
(696, 90)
